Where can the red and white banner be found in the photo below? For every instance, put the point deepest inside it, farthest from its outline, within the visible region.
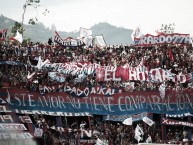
(167, 121)
(120, 73)
(126, 74)
(174, 38)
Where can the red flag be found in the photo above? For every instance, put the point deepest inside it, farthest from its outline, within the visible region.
(3, 34)
(125, 74)
(171, 55)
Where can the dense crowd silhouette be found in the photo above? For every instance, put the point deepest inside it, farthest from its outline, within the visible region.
(25, 57)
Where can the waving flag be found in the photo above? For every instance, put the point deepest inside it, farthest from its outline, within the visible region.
(128, 121)
(99, 41)
(85, 32)
(148, 121)
(86, 36)
(39, 65)
(162, 90)
(18, 37)
(136, 33)
(3, 34)
(138, 133)
(148, 140)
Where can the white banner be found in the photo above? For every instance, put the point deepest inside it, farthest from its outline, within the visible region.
(99, 41)
(85, 32)
(12, 126)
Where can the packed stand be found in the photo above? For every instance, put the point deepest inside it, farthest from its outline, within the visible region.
(110, 133)
(153, 57)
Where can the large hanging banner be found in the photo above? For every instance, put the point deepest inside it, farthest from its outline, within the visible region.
(174, 38)
(63, 104)
(154, 75)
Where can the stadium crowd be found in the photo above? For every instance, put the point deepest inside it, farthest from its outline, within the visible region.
(109, 133)
(158, 56)
(153, 57)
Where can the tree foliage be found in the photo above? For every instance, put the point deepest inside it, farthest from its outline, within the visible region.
(35, 4)
(17, 27)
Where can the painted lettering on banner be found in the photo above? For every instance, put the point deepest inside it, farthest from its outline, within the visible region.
(175, 38)
(167, 121)
(23, 102)
(12, 126)
(10, 119)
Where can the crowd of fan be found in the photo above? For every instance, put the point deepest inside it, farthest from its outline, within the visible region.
(154, 57)
(110, 133)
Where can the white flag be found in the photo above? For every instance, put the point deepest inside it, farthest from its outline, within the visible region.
(162, 90)
(86, 36)
(85, 32)
(88, 40)
(18, 37)
(99, 41)
(138, 133)
(128, 121)
(39, 65)
(148, 140)
(136, 33)
(148, 121)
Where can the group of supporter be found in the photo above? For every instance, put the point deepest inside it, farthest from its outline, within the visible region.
(17, 61)
(157, 56)
(110, 133)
